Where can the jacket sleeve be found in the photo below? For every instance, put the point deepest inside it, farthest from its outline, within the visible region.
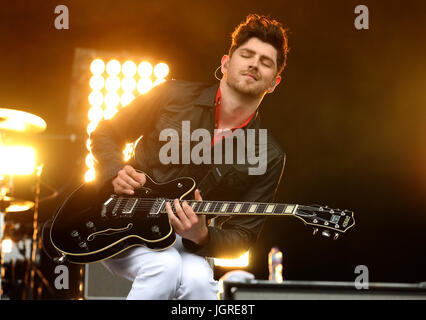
(130, 123)
(238, 234)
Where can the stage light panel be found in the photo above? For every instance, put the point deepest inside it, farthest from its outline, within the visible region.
(91, 127)
(145, 69)
(113, 67)
(97, 82)
(116, 90)
(161, 70)
(95, 114)
(112, 84)
(112, 100)
(158, 81)
(128, 84)
(129, 68)
(144, 85)
(97, 67)
(126, 98)
(109, 113)
(96, 98)
(89, 175)
(89, 160)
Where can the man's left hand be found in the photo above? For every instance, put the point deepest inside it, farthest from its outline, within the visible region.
(186, 223)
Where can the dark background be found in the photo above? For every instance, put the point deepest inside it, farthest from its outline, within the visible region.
(350, 112)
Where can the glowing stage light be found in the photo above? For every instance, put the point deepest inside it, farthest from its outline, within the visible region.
(96, 98)
(128, 84)
(17, 160)
(112, 100)
(144, 85)
(89, 175)
(95, 114)
(97, 67)
(115, 90)
(91, 127)
(112, 84)
(89, 160)
(126, 98)
(242, 261)
(159, 81)
(97, 82)
(113, 67)
(129, 68)
(109, 113)
(161, 70)
(145, 69)
(7, 245)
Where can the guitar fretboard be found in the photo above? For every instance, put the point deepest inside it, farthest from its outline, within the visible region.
(231, 208)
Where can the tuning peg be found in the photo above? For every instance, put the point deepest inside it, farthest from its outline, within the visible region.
(336, 235)
(326, 233)
(315, 231)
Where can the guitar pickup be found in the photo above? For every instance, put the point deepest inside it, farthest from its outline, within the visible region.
(129, 207)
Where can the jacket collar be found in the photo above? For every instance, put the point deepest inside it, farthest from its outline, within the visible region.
(207, 98)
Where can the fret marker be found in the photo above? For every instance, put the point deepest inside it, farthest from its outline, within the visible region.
(270, 208)
(237, 207)
(252, 208)
(224, 207)
(289, 209)
(206, 209)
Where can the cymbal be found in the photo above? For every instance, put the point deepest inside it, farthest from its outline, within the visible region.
(20, 121)
(15, 205)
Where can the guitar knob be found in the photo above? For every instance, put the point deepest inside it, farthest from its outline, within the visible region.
(91, 226)
(315, 231)
(83, 245)
(326, 233)
(75, 235)
(336, 236)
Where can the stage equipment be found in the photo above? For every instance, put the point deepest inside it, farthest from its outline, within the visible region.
(320, 290)
(19, 161)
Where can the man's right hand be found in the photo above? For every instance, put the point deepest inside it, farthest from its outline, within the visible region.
(127, 180)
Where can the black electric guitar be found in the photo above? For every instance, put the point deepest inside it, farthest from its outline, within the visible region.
(90, 227)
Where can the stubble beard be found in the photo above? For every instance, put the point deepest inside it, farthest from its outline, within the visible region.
(246, 88)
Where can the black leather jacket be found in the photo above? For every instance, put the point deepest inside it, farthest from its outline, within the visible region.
(166, 106)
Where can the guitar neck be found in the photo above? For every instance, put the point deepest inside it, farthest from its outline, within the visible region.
(236, 208)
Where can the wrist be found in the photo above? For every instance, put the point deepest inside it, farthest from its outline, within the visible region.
(203, 237)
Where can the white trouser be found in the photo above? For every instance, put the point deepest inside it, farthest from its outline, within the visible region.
(168, 274)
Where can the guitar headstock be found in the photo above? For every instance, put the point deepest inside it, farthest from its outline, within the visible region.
(326, 220)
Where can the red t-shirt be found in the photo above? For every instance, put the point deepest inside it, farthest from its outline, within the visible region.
(222, 133)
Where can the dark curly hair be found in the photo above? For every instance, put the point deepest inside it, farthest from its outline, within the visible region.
(265, 29)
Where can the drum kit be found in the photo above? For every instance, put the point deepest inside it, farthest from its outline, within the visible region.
(14, 122)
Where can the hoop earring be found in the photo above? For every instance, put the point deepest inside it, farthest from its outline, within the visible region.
(215, 73)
